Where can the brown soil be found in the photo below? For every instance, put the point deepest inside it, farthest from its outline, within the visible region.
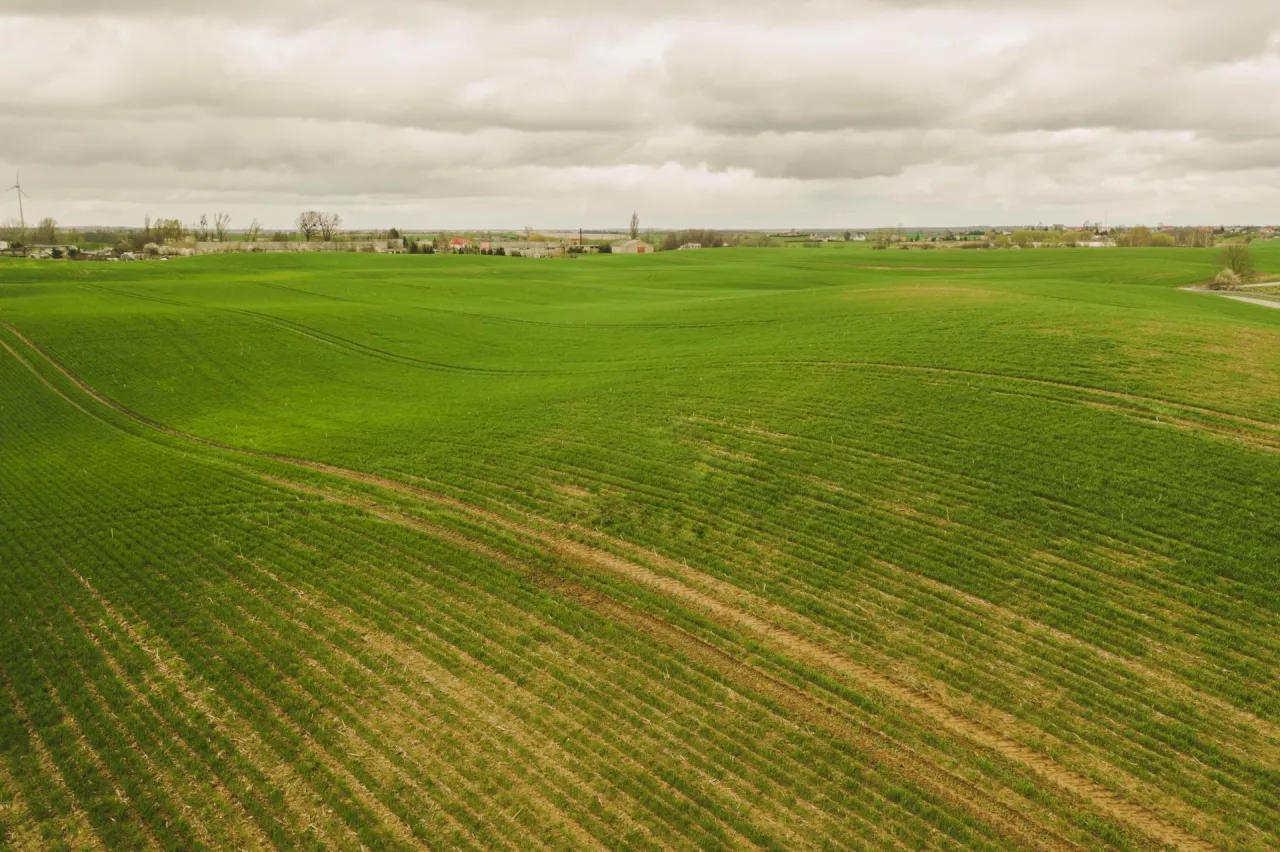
(689, 593)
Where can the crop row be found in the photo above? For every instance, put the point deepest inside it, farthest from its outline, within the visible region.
(155, 663)
(1188, 747)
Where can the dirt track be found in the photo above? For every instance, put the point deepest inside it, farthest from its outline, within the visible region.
(1235, 297)
(727, 605)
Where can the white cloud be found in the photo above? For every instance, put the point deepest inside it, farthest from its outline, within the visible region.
(744, 114)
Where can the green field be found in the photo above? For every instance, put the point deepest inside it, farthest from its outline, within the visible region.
(737, 548)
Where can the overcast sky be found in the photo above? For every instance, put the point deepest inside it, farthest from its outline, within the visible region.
(714, 113)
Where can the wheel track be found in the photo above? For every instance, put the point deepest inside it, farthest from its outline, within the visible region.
(1087, 389)
(473, 545)
(640, 665)
(395, 649)
(1182, 690)
(805, 705)
(1105, 800)
(425, 670)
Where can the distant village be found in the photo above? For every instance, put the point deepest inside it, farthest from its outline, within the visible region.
(162, 239)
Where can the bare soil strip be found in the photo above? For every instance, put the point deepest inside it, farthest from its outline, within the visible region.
(912, 268)
(373, 508)
(91, 755)
(1171, 683)
(18, 830)
(80, 828)
(242, 823)
(1083, 389)
(812, 710)
(401, 721)
(799, 647)
(804, 649)
(297, 793)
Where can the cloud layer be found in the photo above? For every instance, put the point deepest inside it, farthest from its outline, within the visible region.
(718, 113)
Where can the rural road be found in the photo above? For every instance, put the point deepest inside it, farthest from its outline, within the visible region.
(1266, 303)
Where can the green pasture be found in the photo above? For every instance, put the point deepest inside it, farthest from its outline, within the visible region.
(1027, 492)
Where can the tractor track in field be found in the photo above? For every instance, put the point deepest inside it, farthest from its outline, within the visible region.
(791, 644)
(318, 336)
(804, 705)
(1140, 399)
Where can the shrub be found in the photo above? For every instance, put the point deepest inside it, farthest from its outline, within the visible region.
(1227, 279)
(1239, 259)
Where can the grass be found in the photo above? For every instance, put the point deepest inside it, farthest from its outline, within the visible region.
(948, 549)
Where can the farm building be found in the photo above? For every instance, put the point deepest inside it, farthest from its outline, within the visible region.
(395, 246)
(632, 247)
(459, 244)
(526, 248)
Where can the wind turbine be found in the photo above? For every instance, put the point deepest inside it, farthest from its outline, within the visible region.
(22, 216)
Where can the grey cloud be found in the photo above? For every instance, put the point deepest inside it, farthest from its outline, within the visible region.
(580, 106)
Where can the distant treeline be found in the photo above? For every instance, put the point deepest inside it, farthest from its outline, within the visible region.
(1141, 237)
(673, 240)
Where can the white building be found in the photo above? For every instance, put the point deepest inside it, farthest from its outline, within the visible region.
(632, 247)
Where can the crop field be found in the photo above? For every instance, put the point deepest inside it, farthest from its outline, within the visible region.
(838, 549)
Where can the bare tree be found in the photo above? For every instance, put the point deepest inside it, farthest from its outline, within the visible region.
(255, 231)
(11, 231)
(220, 223)
(635, 226)
(202, 230)
(329, 225)
(1238, 258)
(46, 233)
(309, 224)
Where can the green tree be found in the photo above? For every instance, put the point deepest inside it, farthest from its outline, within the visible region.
(1239, 259)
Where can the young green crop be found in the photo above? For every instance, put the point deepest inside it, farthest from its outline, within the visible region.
(711, 549)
